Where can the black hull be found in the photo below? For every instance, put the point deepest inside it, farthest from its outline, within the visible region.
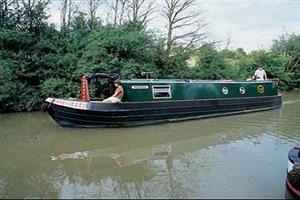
(138, 113)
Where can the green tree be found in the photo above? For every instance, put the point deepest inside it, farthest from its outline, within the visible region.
(14, 47)
(125, 49)
(289, 46)
(32, 15)
(8, 13)
(211, 64)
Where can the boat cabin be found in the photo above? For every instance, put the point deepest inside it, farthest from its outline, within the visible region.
(136, 90)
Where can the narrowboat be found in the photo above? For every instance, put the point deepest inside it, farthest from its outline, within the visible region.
(293, 171)
(149, 101)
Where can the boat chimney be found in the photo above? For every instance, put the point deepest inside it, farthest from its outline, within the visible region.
(147, 74)
(84, 96)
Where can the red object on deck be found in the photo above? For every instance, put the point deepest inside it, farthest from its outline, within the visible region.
(84, 89)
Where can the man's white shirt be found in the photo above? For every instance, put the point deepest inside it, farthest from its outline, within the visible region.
(260, 74)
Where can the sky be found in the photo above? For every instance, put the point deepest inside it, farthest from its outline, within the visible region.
(249, 24)
(252, 24)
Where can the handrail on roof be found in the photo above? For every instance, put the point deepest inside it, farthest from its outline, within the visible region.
(90, 75)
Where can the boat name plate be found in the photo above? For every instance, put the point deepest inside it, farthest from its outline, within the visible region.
(140, 87)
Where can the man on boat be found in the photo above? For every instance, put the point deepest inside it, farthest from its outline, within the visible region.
(260, 74)
(118, 95)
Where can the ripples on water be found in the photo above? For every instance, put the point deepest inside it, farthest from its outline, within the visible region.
(240, 156)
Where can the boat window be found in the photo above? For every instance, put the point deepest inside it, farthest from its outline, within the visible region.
(161, 92)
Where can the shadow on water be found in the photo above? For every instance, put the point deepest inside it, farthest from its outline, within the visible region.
(240, 156)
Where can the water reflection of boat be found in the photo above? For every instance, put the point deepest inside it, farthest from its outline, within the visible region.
(133, 167)
(146, 153)
(293, 171)
(122, 159)
(148, 101)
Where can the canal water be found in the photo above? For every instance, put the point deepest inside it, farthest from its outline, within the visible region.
(240, 156)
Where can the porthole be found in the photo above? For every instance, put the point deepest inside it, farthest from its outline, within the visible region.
(242, 90)
(225, 90)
